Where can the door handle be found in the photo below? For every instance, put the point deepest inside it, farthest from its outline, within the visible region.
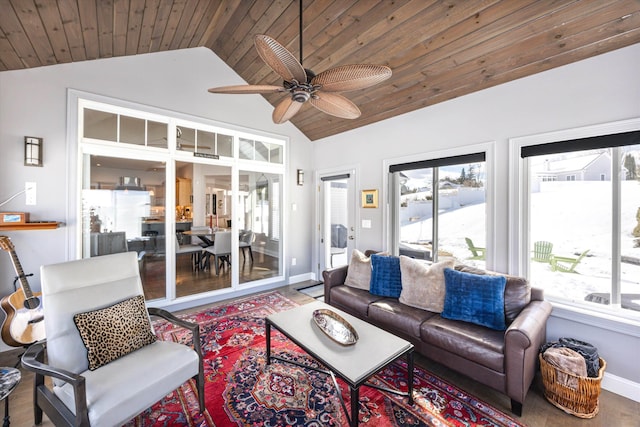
(351, 237)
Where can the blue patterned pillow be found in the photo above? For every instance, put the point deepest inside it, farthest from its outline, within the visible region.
(385, 276)
(474, 298)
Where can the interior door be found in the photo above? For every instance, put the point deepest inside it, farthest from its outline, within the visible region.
(336, 231)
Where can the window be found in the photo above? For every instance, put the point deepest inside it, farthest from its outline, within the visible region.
(165, 187)
(591, 220)
(440, 208)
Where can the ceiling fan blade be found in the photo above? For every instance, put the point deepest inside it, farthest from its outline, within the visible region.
(247, 89)
(279, 59)
(351, 77)
(336, 105)
(285, 110)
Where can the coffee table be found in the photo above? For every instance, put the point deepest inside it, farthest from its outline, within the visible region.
(355, 364)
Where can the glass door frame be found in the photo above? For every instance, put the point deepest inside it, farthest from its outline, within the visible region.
(78, 147)
(353, 230)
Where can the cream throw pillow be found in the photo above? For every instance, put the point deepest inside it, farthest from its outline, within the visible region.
(359, 271)
(422, 284)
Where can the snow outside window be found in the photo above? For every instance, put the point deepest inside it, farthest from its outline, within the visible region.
(442, 208)
(590, 221)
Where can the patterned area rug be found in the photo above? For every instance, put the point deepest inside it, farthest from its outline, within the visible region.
(242, 391)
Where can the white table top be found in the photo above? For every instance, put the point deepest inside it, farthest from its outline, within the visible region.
(355, 363)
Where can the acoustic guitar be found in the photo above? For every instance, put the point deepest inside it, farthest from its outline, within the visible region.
(24, 323)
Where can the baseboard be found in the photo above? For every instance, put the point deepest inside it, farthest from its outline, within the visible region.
(301, 278)
(621, 386)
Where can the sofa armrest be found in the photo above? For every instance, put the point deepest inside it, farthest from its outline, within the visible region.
(333, 277)
(523, 339)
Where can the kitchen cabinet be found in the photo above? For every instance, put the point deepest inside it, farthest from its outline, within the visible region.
(183, 192)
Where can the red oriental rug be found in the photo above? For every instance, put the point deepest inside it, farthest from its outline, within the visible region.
(241, 391)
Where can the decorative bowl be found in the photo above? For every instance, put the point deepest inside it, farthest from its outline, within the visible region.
(336, 328)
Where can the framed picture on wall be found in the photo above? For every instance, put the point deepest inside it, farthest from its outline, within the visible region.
(369, 198)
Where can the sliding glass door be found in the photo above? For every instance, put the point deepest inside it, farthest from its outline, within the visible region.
(200, 205)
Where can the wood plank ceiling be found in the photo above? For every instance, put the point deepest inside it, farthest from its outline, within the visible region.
(438, 50)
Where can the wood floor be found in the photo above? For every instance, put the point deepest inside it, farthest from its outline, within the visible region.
(615, 411)
(190, 280)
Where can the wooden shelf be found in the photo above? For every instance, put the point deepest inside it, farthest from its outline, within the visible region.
(42, 225)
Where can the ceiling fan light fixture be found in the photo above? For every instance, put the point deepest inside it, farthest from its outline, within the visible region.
(304, 85)
(301, 96)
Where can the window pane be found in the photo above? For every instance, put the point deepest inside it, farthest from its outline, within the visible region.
(129, 217)
(100, 125)
(416, 213)
(462, 213)
(459, 208)
(225, 145)
(206, 142)
(630, 228)
(132, 130)
(186, 139)
(259, 222)
(156, 134)
(246, 149)
(570, 209)
(275, 156)
(262, 151)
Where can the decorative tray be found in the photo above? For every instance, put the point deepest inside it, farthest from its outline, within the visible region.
(335, 327)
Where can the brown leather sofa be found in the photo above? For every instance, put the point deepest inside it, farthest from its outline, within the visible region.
(503, 360)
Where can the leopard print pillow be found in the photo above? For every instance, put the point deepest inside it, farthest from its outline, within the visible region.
(114, 331)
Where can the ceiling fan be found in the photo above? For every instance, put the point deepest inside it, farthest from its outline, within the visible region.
(304, 85)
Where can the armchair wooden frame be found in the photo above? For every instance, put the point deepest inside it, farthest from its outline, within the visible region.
(46, 401)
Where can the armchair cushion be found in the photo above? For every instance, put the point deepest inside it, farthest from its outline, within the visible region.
(163, 365)
(114, 331)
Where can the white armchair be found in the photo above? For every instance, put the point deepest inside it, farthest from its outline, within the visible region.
(78, 297)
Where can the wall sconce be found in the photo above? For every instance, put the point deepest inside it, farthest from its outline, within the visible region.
(32, 151)
(300, 177)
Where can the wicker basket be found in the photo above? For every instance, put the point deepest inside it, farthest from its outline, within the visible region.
(581, 401)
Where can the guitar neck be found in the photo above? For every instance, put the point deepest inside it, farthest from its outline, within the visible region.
(20, 273)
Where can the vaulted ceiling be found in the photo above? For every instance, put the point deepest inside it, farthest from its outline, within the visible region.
(437, 50)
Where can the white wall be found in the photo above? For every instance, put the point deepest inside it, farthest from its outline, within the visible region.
(597, 90)
(34, 103)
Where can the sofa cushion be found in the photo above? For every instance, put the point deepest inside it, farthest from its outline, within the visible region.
(517, 291)
(352, 300)
(385, 276)
(392, 315)
(114, 331)
(474, 298)
(359, 271)
(422, 284)
(473, 342)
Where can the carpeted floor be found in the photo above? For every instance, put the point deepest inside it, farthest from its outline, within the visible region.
(241, 390)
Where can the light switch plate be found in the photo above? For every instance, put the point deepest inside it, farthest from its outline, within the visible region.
(30, 193)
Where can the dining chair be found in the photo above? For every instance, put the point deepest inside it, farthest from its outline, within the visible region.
(189, 248)
(220, 250)
(83, 379)
(202, 229)
(246, 239)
